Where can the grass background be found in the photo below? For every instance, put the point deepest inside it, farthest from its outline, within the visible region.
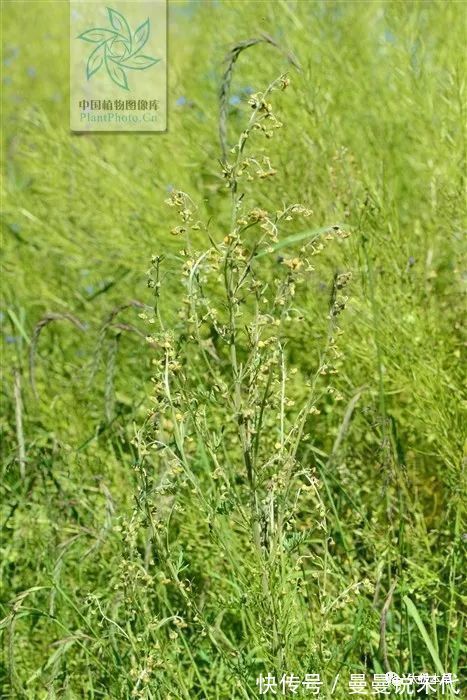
(374, 137)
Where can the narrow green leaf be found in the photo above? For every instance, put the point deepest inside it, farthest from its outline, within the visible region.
(16, 322)
(309, 235)
(413, 612)
(56, 656)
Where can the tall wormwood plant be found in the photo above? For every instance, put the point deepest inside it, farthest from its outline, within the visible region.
(228, 434)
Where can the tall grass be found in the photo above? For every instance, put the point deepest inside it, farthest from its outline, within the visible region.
(222, 471)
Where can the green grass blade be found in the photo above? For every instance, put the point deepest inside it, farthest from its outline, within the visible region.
(413, 612)
(308, 235)
(17, 323)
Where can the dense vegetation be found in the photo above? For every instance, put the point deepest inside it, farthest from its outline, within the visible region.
(232, 435)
